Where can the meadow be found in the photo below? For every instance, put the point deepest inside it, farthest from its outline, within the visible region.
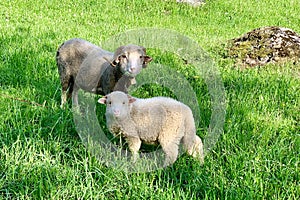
(42, 155)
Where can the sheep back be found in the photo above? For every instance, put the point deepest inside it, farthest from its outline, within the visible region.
(96, 70)
(71, 54)
(158, 118)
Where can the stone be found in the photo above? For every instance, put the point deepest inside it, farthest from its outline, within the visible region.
(194, 3)
(265, 45)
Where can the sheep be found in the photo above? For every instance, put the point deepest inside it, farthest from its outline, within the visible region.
(84, 65)
(157, 120)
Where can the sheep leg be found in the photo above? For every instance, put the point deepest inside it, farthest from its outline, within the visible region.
(64, 90)
(196, 149)
(63, 98)
(134, 144)
(191, 142)
(67, 83)
(75, 96)
(171, 152)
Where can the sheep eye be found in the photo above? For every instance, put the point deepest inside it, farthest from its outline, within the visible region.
(124, 56)
(109, 103)
(123, 102)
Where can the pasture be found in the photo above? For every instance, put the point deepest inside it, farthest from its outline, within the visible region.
(42, 155)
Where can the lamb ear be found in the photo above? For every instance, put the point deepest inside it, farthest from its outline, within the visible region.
(147, 59)
(102, 100)
(131, 99)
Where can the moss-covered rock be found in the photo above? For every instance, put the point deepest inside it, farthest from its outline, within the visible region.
(265, 45)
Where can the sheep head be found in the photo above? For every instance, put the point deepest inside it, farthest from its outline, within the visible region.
(117, 104)
(131, 59)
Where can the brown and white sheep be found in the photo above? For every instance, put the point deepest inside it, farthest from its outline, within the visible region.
(83, 65)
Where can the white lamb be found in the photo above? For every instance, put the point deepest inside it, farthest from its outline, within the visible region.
(155, 120)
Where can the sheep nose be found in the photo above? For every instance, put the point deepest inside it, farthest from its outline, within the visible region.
(132, 68)
(116, 112)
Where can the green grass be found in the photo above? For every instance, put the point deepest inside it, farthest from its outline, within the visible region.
(42, 156)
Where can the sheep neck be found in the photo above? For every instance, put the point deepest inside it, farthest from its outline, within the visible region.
(117, 72)
(119, 81)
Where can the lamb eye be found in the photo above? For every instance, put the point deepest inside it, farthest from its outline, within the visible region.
(123, 102)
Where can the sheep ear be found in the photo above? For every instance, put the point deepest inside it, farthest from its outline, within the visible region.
(147, 59)
(144, 49)
(117, 55)
(131, 99)
(102, 100)
(114, 62)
